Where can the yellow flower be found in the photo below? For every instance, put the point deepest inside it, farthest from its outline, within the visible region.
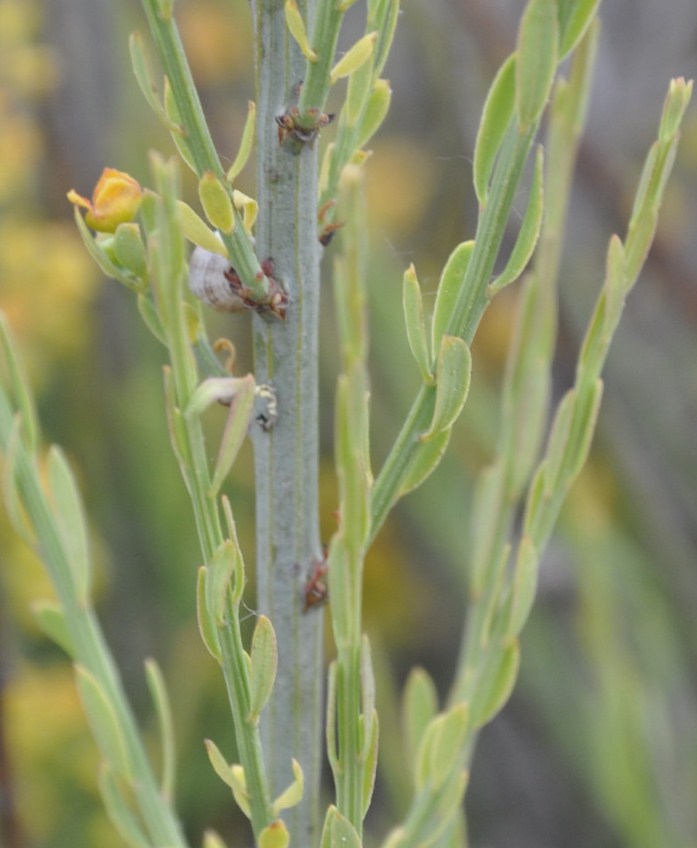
(115, 199)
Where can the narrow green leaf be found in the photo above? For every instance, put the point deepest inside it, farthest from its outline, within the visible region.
(237, 588)
(249, 208)
(70, 520)
(165, 723)
(445, 744)
(575, 16)
(449, 290)
(246, 144)
(534, 503)
(358, 91)
(615, 285)
(296, 27)
(232, 775)
(367, 679)
(175, 424)
(370, 758)
(220, 765)
(195, 229)
(586, 418)
(235, 432)
(19, 385)
(555, 455)
(496, 118)
(343, 833)
(292, 795)
(51, 620)
(538, 40)
(13, 504)
(220, 570)
(264, 656)
(239, 790)
(120, 812)
(495, 683)
(676, 102)
(352, 60)
(274, 835)
(176, 130)
(144, 78)
(206, 624)
(330, 724)
(423, 461)
(524, 587)
(529, 230)
(103, 723)
(148, 313)
(374, 113)
(453, 374)
(216, 202)
(416, 325)
(420, 705)
(488, 496)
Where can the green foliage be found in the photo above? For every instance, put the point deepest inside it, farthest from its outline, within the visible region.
(275, 780)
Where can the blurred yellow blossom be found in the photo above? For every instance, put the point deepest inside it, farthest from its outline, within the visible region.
(115, 200)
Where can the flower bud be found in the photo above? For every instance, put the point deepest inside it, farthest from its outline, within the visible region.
(116, 199)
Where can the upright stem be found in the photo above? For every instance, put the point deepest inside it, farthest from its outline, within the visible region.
(286, 456)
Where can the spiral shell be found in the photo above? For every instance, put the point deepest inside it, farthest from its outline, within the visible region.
(208, 283)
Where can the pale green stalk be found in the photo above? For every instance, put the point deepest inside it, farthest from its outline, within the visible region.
(490, 231)
(286, 456)
(353, 751)
(81, 633)
(167, 252)
(197, 138)
(528, 373)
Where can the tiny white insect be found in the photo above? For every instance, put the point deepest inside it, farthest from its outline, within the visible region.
(208, 283)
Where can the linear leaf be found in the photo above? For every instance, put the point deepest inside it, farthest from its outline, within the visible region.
(104, 724)
(495, 682)
(449, 290)
(165, 723)
(235, 432)
(206, 624)
(529, 230)
(423, 461)
(538, 40)
(574, 18)
(246, 143)
(415, 323)
(70, 520)
(453, 373)
(120, 812)
(292, 795)
(496, 118)
(264, 656)
(19, 385)
(420, 705)
(51, 620)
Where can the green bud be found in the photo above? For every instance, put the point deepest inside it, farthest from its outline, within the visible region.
(129, 249)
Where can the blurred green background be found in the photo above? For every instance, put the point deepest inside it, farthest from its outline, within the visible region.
(599, 743)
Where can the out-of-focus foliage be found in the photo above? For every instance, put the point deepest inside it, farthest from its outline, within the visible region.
(598, 747)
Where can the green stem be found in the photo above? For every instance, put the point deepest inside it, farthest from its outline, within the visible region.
(199, 141)
(348, 700)
(167, 286)
(465, 318)
(89, 646)
(286, 456)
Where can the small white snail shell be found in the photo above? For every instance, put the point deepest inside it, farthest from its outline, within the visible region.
(208, 283)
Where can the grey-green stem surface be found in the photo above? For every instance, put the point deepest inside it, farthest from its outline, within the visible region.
(286, 357)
